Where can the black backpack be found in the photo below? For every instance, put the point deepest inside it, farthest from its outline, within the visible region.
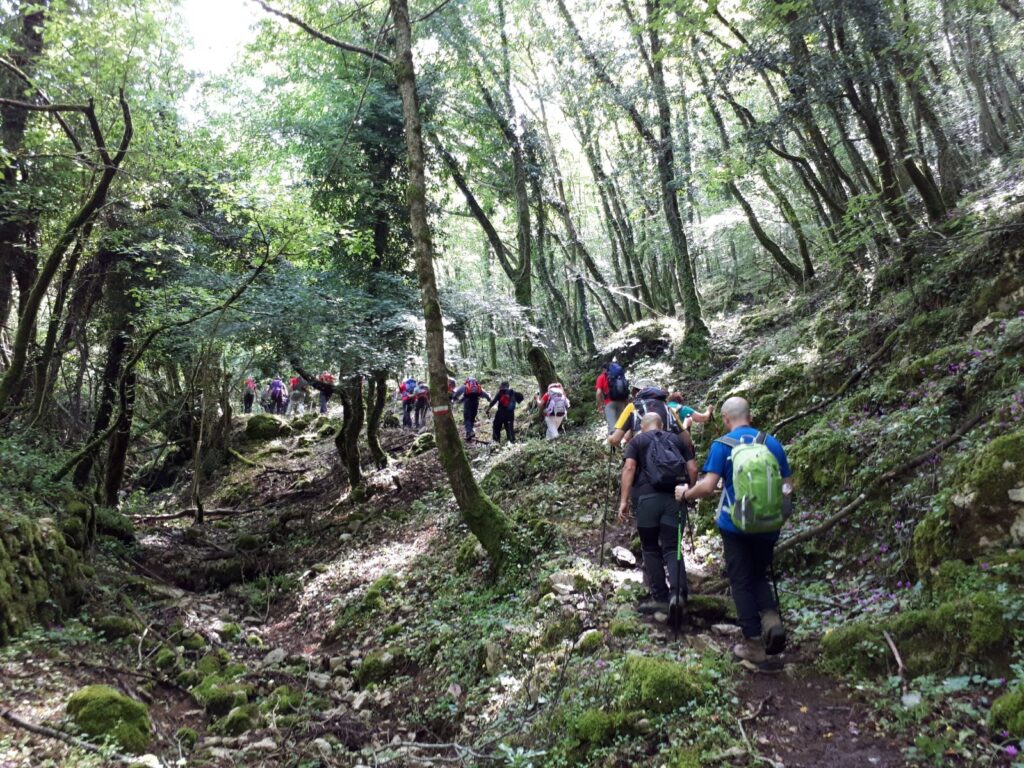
(664, 467)
(652, 400)
(618, 387)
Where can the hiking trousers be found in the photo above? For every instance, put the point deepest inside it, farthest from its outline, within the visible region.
(504, 420)
(407, 406)
(657, 521)
(247, 399)
(748, 559)
(553, 423)
(612, 412)
(421, 413)
(470, 406)
(297, 403)
(324, 399)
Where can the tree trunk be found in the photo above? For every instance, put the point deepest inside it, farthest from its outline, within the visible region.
(378, 397)
(484, 519)
(346, 441)
(119, 440)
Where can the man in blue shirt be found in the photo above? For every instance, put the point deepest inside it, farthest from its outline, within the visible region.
(748, 557)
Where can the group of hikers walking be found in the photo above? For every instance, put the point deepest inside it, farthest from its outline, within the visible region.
(553, 405)
(659, 482)
(284, 398)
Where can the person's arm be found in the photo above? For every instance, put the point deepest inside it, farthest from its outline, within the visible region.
(615, 439)
(702, 418)
(490, 403)
(628, 476)
(691, 470)
(705, 487)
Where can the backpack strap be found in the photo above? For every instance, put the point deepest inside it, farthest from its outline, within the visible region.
(732, 442)
(761, 437)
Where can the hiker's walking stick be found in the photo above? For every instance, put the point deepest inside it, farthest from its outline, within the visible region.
(607, 510)
(677, 605)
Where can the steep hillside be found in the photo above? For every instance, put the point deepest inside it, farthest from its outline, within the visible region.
(302, 627)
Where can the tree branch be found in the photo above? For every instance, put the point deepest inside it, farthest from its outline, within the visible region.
(323, 36)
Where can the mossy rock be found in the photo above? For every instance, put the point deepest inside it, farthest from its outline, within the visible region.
(424, 442)
(593, 728)
(567, 625)
(110, 522)
(711, 608)
(282, 700)
(659, 685)
(100, 711)
(378, 666)
(825, 459)
(187, 737)
(218, 697)
(42, 578)
(210, 664)
(984, 509)
(1007, 713)
(303, 422)
(961, 634)
(239, 720)
(229, 632)
(192, 641)
(116, 627)
(590, 642)
(265, 426)
(165, 659)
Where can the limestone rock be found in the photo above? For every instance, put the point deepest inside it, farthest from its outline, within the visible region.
(265, 426)
(275, 657)
(320, 680)
(624, 557)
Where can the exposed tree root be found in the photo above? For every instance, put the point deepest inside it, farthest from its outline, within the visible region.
(53, 733)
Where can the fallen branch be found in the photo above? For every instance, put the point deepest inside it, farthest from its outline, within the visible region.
(756, 756)
(244, 460)
(225, 512)
(854, 377)
(67, 738)
(900, 667)
(759, 710)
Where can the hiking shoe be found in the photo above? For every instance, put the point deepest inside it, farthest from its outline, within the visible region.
(750, 654)
(650, 607)
(773, 633)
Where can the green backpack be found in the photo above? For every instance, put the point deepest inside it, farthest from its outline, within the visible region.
(756, 485)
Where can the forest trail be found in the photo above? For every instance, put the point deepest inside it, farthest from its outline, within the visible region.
(288, 592)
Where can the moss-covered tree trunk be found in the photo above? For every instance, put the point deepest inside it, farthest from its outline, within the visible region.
(377, 398)
(486, 521)
(346, 441)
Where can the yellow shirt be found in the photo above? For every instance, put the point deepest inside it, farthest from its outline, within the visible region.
(625, 420)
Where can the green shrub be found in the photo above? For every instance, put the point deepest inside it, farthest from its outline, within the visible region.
(659, 685)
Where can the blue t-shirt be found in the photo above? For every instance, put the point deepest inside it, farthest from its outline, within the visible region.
(718, 462)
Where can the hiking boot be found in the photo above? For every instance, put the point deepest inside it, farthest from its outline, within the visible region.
(750, 654)
(773, 633)
(652, 606)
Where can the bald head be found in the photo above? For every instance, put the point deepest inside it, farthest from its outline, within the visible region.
(650, 421)
(735, 412)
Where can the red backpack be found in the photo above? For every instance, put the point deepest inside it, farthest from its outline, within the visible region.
(473, 387)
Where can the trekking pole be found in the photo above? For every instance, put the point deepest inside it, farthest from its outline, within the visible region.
(677, 606)
(775, 588)
(607, 511)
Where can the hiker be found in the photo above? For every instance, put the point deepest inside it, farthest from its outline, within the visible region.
(422, 399)
(687, 413)
(451, 389)
(297, 398)
(652, 460)
(266, 402)
(249, 395)
(470, 394)
(327, 378)
(749, 528)
(278, 396)
(612, 392)
(407, 394)
(505, 417)
(554, 405)
(648, 397)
